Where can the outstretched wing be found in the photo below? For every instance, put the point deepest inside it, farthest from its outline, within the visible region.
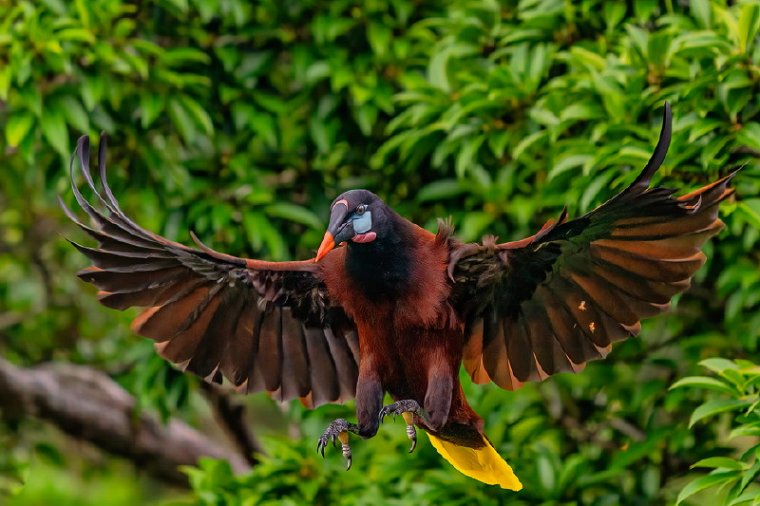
(553, 301)
(262, 325)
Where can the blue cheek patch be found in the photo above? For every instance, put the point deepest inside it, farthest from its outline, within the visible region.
(363, 223)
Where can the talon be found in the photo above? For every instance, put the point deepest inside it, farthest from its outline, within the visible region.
(337, 431)
(345, 449)
(411, 433)
(407, 409)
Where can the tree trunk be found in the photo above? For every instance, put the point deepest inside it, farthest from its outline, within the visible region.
(88, 405)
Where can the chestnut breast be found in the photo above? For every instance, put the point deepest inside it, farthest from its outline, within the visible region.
(406, 289)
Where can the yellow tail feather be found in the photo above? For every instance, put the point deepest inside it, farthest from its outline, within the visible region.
(483, 464)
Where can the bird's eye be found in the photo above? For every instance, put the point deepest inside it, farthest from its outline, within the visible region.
(360, 209)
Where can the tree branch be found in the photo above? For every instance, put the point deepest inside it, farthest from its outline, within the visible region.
(231, 416)
(88, 405)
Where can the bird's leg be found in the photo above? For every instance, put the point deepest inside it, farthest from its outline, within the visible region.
(338, 431)
(407, 409)
(369, 399)
(440, 389)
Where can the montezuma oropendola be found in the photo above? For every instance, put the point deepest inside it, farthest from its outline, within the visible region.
(399, 309)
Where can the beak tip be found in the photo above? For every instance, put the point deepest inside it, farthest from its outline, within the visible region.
(328, 243)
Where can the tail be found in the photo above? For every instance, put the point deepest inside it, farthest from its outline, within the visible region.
(482, 463)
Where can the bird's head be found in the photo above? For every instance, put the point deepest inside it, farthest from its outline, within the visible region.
(358, 216)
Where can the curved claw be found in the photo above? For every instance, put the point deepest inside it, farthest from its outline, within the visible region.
(346, 450)
(411, 433)
(387, 410)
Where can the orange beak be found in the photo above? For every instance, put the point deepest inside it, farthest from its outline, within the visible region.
(328, 243)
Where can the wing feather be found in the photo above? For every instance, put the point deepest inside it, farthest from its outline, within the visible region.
(551, 302)
(262, 325)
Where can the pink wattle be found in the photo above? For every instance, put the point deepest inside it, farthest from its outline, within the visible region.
(368, 237)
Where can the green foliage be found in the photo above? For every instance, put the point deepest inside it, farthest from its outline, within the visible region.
(13, 466)
(241, 121)
(738, 382)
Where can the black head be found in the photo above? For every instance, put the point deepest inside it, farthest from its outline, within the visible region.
(358, 216)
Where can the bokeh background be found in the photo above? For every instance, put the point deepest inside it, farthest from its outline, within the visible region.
(242, 120)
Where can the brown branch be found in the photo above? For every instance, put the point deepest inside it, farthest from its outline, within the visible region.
(88, 405)
(231, 416)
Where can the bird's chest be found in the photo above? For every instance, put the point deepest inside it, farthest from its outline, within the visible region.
(380, 275)
(396, 291)
(392, 298)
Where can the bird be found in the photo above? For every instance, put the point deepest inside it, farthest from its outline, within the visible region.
(386, 306)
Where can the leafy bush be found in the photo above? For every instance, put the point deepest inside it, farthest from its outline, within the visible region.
(242, 121)
(738, 382)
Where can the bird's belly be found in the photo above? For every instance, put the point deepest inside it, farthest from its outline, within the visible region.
(418, 354)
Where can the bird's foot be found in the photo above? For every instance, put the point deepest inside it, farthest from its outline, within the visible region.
(338, 431)
(407, 409)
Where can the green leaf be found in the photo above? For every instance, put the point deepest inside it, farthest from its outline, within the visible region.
(438, 67)
(93, 87)
(317, 71)
(5, 82)
(547, 474)
(151, 107)
(600, 182)
(614, 12)
(296, 213)
(704, 382)
(366, 115)
(178, 56)
(441, 190)
(718, 364)
(749, 135)
(749, 23)
(658, 48)
(182, 120)
(76, 34)
(198, 114)
(700, 9)
(720, 463)
(53, 126)
(467, 155)
(751, 498)
(703, 127)
(527, 142)
(750, 474)
(379, 36)
(566, 163)
(714, 407)
(750, 208)
(180, 5)
(711, 480)
(474, 225)
(320, 134)
(17, 127)
(75, 114)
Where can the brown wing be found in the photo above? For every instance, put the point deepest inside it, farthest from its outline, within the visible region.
(262, 325)
(553, 301)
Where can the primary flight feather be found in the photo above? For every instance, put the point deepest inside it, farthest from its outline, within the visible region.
(399, 309)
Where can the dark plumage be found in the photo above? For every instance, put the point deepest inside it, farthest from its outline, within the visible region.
(399, 309)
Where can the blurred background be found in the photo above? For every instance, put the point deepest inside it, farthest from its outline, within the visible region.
(243, 120)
